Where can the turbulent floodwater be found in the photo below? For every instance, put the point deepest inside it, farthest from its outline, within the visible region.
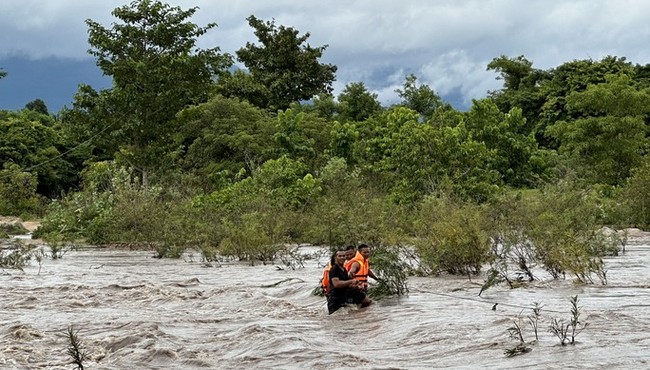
(136, 312)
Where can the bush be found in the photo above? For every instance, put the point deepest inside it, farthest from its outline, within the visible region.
(558, 228)
(113, 209)
(634, 198)
(351, 212)
(260, 233)
(388, 264)
(452, 236)
(85, 214)
(18, 192)
(15, 256)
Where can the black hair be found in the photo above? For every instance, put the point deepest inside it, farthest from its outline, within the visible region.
(361, 246)
(333, 259)
(350, 248)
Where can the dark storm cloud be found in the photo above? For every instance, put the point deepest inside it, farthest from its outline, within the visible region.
(446, 43)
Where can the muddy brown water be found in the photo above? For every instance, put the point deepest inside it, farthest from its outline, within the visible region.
(136, 312)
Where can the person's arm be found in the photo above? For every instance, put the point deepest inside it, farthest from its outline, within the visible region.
(338, 283)
(354, 269)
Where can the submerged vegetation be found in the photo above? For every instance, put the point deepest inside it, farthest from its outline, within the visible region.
(75, 348)
(565, 330)
(183, 152)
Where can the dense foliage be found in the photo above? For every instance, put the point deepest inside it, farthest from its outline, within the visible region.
(181, 152)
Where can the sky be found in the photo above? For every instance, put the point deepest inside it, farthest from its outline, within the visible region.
(447, 44)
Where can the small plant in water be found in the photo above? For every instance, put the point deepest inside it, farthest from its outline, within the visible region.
(519, 349)
(388, 263)
(292, 258)
(209, 254)
(516, 333)
(58, 248)
(515, 330)
(15, 256)
(533, 319)
(494, 277)
(75, 348)
(561, 329)
(39, 257)
(575, 319)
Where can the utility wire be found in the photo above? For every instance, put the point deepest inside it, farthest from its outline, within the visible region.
(87, 141)
(483, 301)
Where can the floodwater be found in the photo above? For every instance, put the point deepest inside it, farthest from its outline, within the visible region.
(136, 312)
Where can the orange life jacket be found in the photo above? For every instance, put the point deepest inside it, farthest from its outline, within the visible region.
(325, 280)
(364, 266)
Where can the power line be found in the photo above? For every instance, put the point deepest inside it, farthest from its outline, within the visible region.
(87, 141)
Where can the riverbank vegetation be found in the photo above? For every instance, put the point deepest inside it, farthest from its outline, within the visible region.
(184, 151)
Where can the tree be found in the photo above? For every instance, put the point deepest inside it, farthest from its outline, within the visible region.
(515, 152)
(284, 69)
(32, 141)
(410, 159)
(609, 138)
(421, 99)
(324, 106)
(2, 73)
(302, 136)
(221, 137)
(357, 103)
(515, 72)
(37, 105)
(343, 137)
(18, 191)
(574, 76)
(635, 196)
(521, 88)
(157, 71)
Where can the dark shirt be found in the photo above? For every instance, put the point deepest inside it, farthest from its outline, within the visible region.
(338, 272)
(340, 296)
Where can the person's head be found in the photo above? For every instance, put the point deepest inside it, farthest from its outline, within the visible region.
(340, 257)
(333, 258)
(364, 250)
(350, 252)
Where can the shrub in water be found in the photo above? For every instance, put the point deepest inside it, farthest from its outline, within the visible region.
(452, 236)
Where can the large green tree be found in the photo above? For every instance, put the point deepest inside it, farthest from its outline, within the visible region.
(282, 69)
(516, 155)
(18, 191)
(37, 105)
(574, 77)
(32, 141)
(521, 88)
(357, 103)
(411, 159)
(608, 139)
(223, 139)
(302, 136)
(421, 98)
(157, 71)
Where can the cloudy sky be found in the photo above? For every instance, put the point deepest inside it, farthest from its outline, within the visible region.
(447, 44)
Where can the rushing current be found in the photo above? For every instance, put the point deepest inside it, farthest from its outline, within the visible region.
(132, 311)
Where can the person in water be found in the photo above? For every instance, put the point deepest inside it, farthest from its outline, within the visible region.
(350, 251)
(325, 279)
(359, 267)
(343, 289)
